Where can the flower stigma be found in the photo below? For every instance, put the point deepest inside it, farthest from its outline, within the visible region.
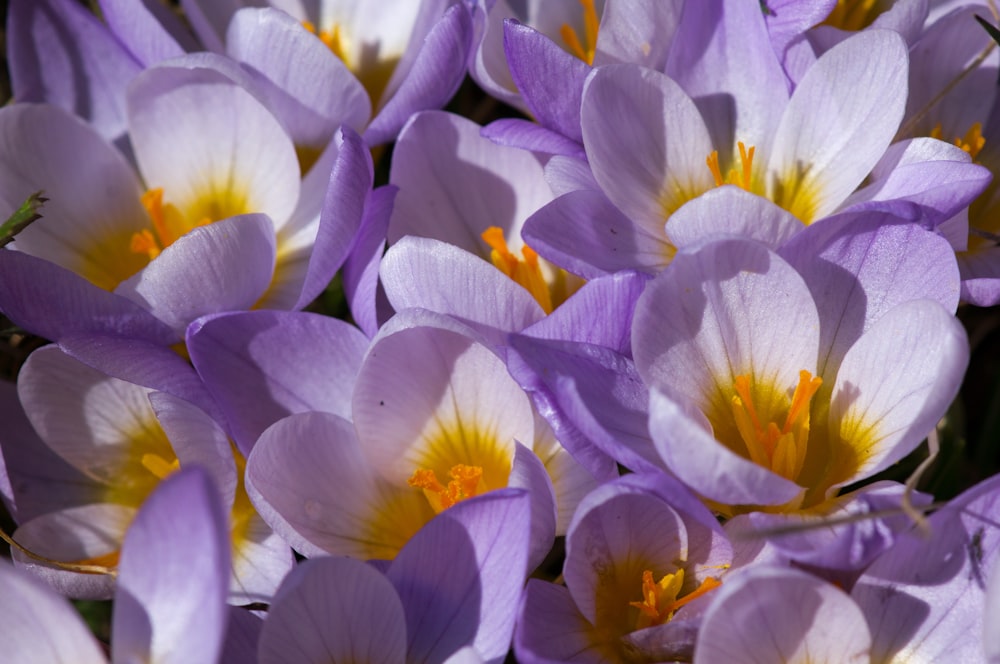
(779, 449)
(466, 482)
(660, 600)
(585, 49)
(170, 224)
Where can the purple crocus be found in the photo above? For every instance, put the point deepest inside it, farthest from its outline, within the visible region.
(759, 399)
(170, 605)
(641, 554)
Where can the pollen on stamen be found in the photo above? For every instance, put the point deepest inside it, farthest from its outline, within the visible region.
(972, 142)
(525, 271)
(466, 482)
(660, 600)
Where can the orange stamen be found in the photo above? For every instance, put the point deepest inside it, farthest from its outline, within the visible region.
(586, 49)
(525, 271)
(742, 178)
(466, 482)
(660, 600)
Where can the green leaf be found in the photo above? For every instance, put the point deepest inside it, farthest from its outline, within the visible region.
(24, 215)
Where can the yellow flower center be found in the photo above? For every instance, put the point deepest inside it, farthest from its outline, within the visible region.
(781, 449)
(372, 67)
(466, 482)
(585, 49)
(159, 466)
(853, 15)
(333, 38)
(170, 224)
(741, 177)
(660, 600)
(972, 142)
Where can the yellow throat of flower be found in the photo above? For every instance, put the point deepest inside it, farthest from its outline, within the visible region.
(781, 449)
(586, 48)
(853, 15)
(169, 223)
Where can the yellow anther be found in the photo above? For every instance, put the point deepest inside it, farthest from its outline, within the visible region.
(585, 49)
(779, 449)
(525, 270)
(741, 178)
(108, 560)
(466, 482)
(159, 466)
(972, 142)
(660, 600)
(333, 38)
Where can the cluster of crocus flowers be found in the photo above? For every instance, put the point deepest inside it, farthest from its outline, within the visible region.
(627, 352)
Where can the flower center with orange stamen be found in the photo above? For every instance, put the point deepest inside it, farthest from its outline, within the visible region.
(972, 142)
(741, 177)
(585, 49)
(660, 601)
(525, 271)
(169, 224)
(779, 449)
(466, 482)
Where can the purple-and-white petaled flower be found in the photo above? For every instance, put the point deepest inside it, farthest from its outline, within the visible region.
(449, 424)
(124, 440)
(226, 223)
(758, 399)
(641, 553)
(779, 614)
(454, 586)
(171, 600)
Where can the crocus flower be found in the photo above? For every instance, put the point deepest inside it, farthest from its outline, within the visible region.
(454, 585)
(222, 225)
(641, 552)
(449, 424)
(655, 142)
(759, 399)
(171, 600)
(124, 440)
(402, 57)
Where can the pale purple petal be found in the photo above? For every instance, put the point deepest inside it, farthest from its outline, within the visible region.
(838, 123)
(646, 142)
(454, 184)
(640, 32)
(731, 211)
(980, 276)
(54, 303)
(549, 78)
(528, 473)
(924, 598)
(150, 31)
(460, 577)
(434, 275)
(40, 627)
(551, 629)
(334, 610)
(895, 384)
(433, 78)
(526, 135)
(220, 267)
(170, 605)
(360, 274)
(76, 535)
(585, 233)
(264, 365)
(722, 57)
(342, 216)
(861, 266)
(773, 614)
(60, 53)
